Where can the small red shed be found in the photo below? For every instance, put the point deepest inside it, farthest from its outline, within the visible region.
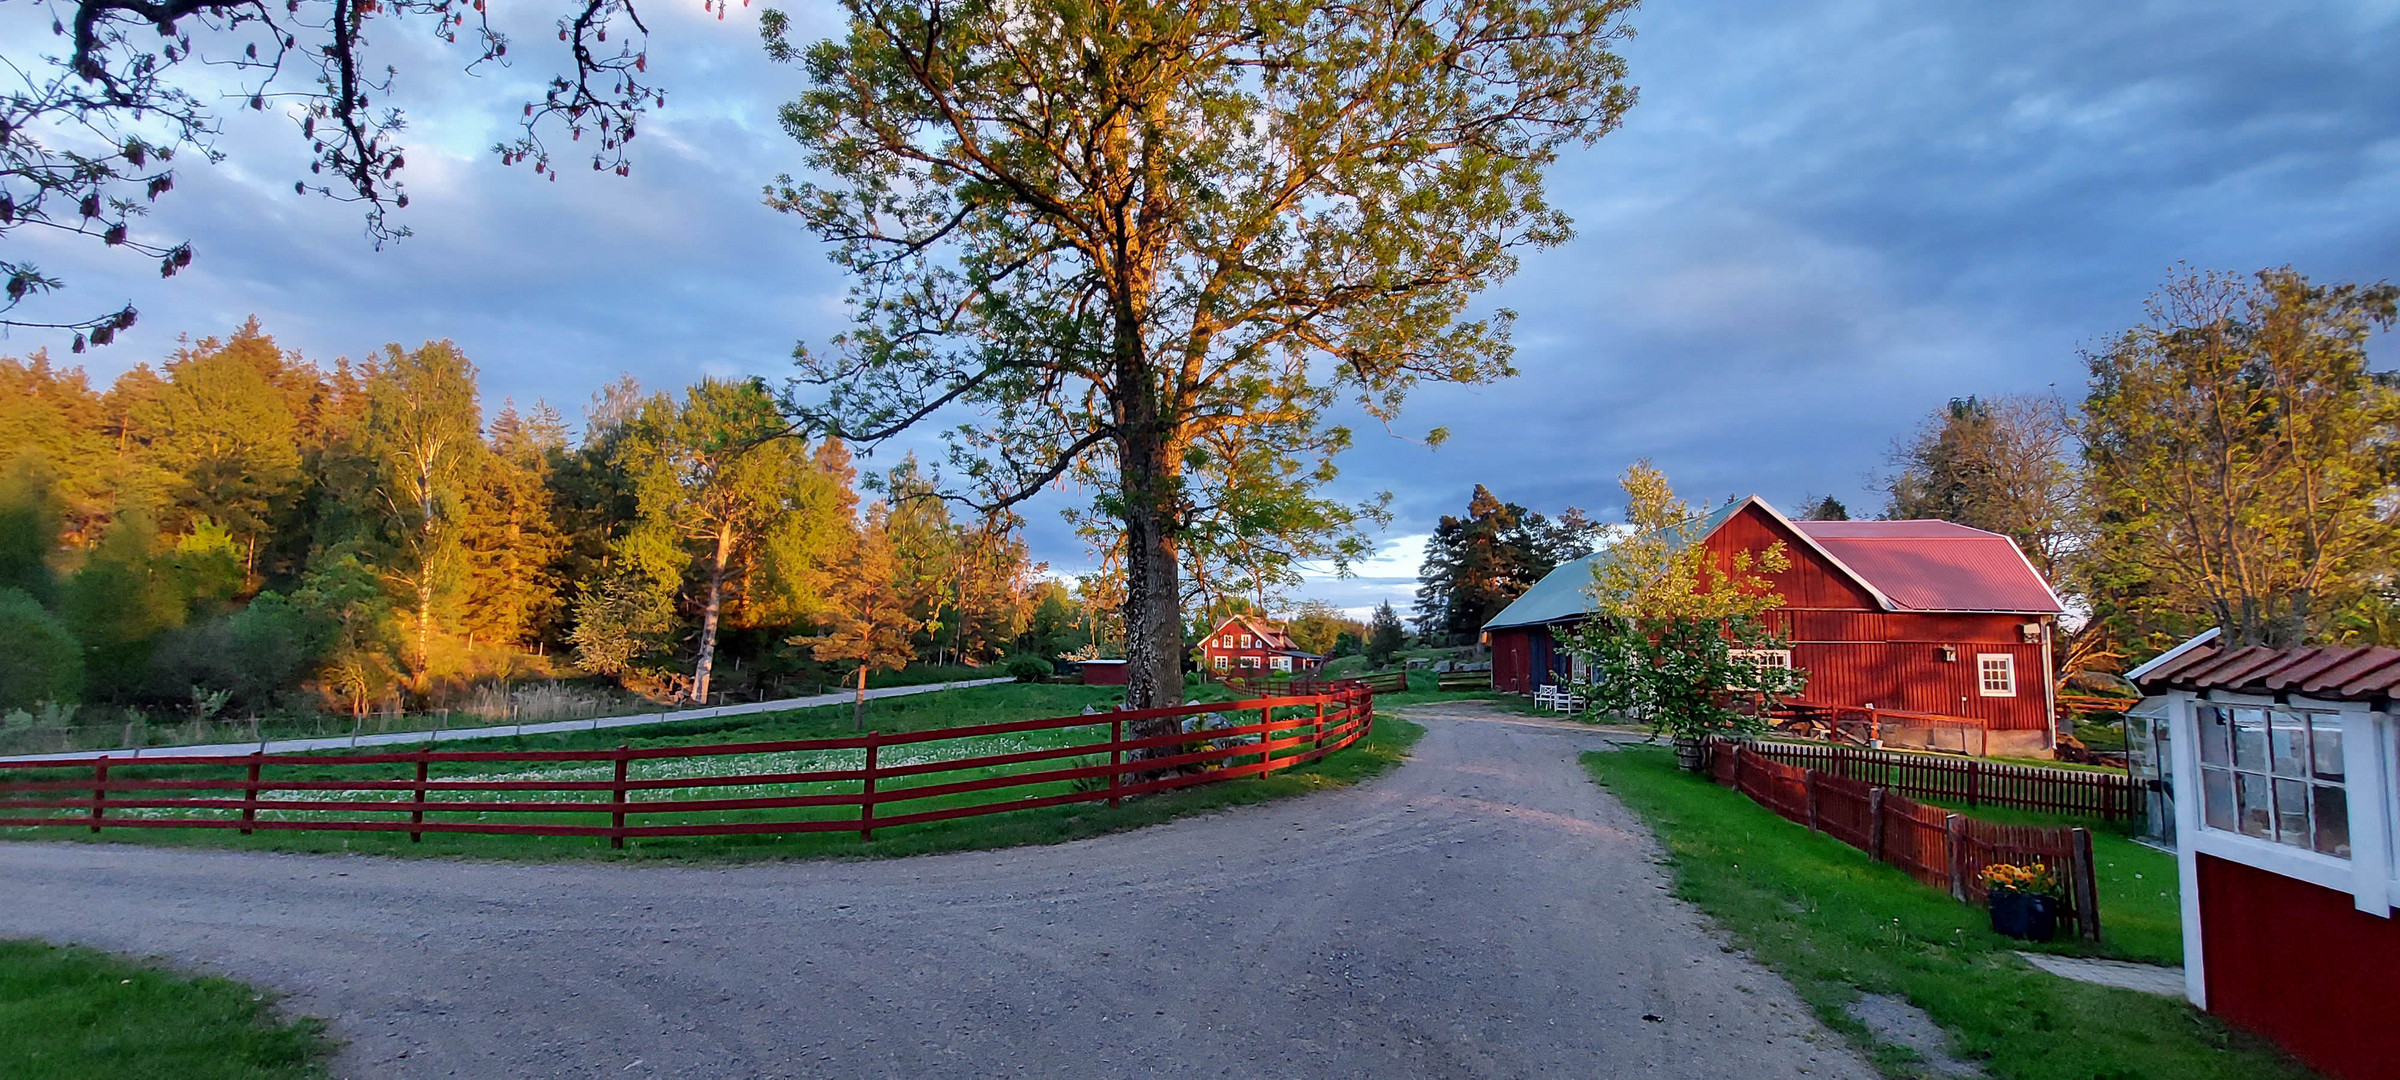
(1921, 616)
(2283, 783)
(1247, 647)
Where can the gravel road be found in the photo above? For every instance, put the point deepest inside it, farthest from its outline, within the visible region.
(1484, 910)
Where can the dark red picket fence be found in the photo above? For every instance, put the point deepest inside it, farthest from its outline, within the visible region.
(1968, 780)
(437, 790)
(1385, 682)
(1940, 848)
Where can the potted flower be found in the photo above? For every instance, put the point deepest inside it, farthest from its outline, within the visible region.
(2024, 900)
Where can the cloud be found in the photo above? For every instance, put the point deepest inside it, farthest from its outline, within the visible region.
(1822, 220)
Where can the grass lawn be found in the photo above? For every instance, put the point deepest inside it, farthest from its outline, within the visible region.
(1838, 926)
(75, 1013)
(980, 705)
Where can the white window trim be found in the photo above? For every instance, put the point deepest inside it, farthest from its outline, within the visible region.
(1983, 683)
(1223, 662)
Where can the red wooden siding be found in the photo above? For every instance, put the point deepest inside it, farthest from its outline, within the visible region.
(1810, 583)
(2301, 965)
(1512, 660)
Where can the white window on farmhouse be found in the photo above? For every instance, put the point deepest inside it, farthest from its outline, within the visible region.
(1998, 672)
(1761, 659)
(1245, 641)
(1222, 662)
(2276, 774)
(1283, 663)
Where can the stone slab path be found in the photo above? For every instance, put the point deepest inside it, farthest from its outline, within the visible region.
(1483, 911)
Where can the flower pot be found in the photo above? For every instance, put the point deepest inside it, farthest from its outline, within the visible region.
(2025, 916)
(1692, 754)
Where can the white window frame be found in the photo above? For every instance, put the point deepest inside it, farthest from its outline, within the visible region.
(1223, 662)
(1758, 658)
(1283, 663)
(1245, 641)
(1983, 673)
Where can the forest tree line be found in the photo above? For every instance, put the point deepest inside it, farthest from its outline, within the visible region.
(242, 530)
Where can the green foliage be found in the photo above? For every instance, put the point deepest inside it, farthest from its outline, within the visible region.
(42, 661)
(1836, 925)
(1669, 622)
(510, 539)
(1998, 464)
(1385, 636)
(118, 603)
(1474, 565)
(422, 442)
(29, 526)
(1029, 668)
(76, 1012)
(2241, 460)
(251, 656)
(1160, 276)
(361, 642)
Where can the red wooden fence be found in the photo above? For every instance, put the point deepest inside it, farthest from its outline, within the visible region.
(1933, 845)
(231, 791)
(1968, 780)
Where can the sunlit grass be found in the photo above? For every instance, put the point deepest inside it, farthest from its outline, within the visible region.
(75, 1013)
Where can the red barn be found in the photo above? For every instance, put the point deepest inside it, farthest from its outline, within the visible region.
(1247, 647)
(2285, 788)
(1918, 616)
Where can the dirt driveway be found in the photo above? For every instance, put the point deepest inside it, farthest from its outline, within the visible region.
(1482, 911)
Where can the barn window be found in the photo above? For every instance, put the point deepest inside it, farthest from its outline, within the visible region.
(1998, 672)
(1223, 662)
(1762, 659)
(2276, 774)
(1283, 663)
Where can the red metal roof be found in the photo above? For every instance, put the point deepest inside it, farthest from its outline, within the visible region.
(2355, 674)
(1936, 565)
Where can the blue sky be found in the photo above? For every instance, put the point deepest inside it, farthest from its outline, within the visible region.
(1822, 220)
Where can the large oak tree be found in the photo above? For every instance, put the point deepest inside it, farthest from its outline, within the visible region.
(1115, 229)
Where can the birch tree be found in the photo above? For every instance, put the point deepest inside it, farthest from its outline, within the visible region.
(1115, 229)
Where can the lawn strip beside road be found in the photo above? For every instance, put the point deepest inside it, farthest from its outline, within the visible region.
(982, 705)
(1838, 925)
(76, 1012)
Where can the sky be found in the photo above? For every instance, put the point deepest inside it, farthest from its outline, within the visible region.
(1822, 220)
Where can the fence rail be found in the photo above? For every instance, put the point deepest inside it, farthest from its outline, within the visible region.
(1968, 780)
(792, 786)
(1933, 845)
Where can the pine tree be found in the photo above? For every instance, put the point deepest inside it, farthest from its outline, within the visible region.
(509, 534)
(868, 611)
(1385, 636)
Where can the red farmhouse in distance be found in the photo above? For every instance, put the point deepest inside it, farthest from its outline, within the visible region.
(1246, 647)
(1919, 616)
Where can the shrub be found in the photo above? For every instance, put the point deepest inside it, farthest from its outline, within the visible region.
(1029, 669)
(41, 661)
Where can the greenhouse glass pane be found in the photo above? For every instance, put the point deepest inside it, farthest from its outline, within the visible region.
(2256, 799)
(2326, 729)
(2291, 812)
(2216, 798)
(2288, 739)
(2216, 735)
(2250, 739)
(2333, 821)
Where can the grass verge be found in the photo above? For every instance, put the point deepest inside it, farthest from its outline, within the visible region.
(74, 1013)
(992, 704)
(1837, 926)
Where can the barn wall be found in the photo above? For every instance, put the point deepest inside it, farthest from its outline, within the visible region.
(1810, 583)
(2301, 965)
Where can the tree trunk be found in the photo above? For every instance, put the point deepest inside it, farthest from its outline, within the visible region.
(708, 618)
(1153, 596)
(858, 708)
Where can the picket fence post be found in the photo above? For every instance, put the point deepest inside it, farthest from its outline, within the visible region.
(1808, 786)
(1875, 824)
(1954, 833)
(1116, 760)
(2087, 883)
(616, 800)
(99, 789)
(250, 796)
(866, 792)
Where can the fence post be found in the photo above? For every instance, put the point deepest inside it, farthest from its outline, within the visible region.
(250, 796)
(1974, 775)
(1841, 761)
(1738, 758)
(1318, 749)
(1116, 760)
(416, 815)
(616, 800)
(1266, 763)
(1875, 824)
(1808, 786)
(866, 793)
(1954, 839)
(2087, 884)
(99, 788)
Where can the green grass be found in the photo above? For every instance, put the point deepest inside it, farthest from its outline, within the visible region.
(981, 705)
(1837, 926)
(2141, 915)
(74, 1013)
